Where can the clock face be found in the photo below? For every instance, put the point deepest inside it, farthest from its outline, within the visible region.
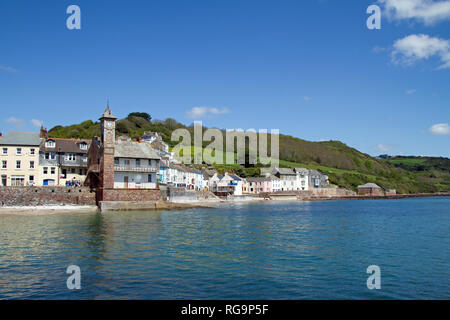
(109, 125)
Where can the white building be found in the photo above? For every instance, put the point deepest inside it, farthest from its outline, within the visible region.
(135, 165)
(229, 184)
(276, 183)
(302, 178)
(155, 140)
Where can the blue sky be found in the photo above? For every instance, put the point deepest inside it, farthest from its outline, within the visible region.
(309, 68)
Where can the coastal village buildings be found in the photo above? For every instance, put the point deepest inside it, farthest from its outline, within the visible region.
(62, 162)
(288, 178)
(155, 141)
(370, 189)
(19, 157)
(181, 176)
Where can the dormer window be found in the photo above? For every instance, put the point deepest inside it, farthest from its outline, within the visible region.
(83, 146)
(50, 144)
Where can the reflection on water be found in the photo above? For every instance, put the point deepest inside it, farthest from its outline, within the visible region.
(304, 250)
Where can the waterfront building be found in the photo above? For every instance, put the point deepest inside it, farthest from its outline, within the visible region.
(317, 179)
(229, 184)
(288, 178)
(116, 166)
(370, 189)
(214, 181)
(62, 162)
(163, 171)
(276, 183)
(19, 158)
(258, 185)
(302, 178)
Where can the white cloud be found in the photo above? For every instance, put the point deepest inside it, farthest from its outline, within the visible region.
(18, 123)
(306, 98)
(378, 49)
(411, 91)
(7, 69)
(199, 112)
(440, 129)
(426, 11)
(382, 148)
(415, 47)
(37, 123)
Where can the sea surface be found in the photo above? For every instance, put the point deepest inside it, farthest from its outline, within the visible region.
(296, 250)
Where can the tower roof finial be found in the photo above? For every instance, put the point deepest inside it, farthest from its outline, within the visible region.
(108, 114)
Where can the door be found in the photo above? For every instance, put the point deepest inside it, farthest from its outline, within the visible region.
(4, 179)
(125, 182)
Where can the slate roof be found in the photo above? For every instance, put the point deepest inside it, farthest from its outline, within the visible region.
(286, 171)
(21, 138)
(65, 145)
(258, 179)
(235, 177)
(370, 185)
(134, 149)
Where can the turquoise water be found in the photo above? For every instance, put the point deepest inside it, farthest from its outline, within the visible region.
(303, 250)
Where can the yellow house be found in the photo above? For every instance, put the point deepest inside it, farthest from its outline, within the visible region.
(19, 158)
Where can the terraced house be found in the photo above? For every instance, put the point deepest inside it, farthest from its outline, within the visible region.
(62, 162)
(19, 156)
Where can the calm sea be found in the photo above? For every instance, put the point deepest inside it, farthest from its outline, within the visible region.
(303, 250)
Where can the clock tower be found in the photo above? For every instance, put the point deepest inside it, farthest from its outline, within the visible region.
(108, 138)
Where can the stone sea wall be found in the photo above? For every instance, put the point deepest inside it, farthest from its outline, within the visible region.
(40, 196)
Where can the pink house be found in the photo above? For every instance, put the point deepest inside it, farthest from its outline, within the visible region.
(259, 185)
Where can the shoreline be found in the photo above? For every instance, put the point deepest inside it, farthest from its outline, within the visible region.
(69, 208)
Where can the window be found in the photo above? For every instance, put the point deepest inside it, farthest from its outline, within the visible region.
(52, 170)
(17, 181)
(19, 151)
(116, 161)
(32, 151)
(50, 144)
(72, 170)
(18, 164)
(149, 178)
(127, 162)
(31, 178)
(50, 156)
(83, 146)
(31, 164)
(4, 179)
(4, 164)
(81, 172)
(5, 151)
(45, 170)
(138, 162)
(70, 157)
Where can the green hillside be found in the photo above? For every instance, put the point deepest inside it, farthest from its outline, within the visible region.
(346, 166)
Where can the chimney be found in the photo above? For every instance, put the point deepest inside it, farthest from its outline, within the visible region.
(43, 133)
